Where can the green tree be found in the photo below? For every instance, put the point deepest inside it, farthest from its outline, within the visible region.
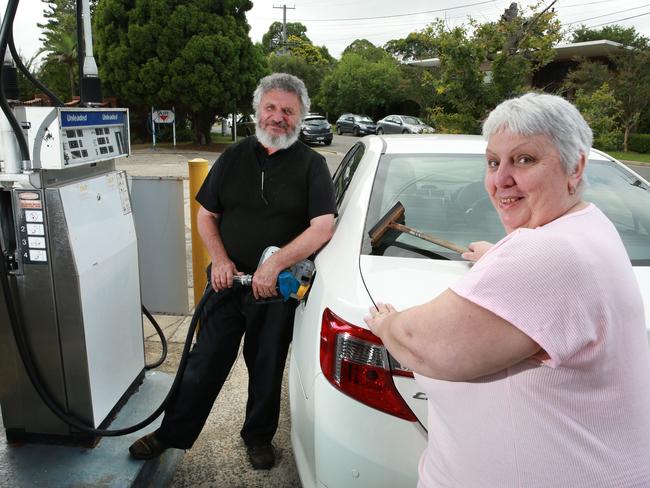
(628, 76)
(417, 45)
(195, 55)
(304, 60)
(61, 50)
(61, 16)
(589, 77)
(273, 40)
(602, 111)
(480, 64)
(517, 45)
(460, 80)
(25, 87)
(303, 48)
(360, 85)
(59, 71)
(297, 66)
(418, 83)
(628, 36)
(366, 50)
(631, 86)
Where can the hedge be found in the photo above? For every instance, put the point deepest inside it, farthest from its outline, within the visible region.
(639, 143)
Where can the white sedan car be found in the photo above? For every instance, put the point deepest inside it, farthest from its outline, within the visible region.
(358, 418)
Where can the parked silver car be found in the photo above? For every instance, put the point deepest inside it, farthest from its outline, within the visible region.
(403, 124)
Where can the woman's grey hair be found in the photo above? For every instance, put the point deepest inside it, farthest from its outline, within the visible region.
(284, 82)
(550, 115)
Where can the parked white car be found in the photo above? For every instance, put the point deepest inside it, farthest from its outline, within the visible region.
(357, 417)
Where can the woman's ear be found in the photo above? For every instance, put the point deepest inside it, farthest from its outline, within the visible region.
(576, 176)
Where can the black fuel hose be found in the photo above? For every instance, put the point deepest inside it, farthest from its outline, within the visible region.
(163, 340)
(35, 377)
(5, 34)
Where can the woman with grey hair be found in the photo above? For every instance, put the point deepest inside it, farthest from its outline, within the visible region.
(535, 363)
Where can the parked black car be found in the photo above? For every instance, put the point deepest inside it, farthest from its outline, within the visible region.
(358, 125)
(314, 129)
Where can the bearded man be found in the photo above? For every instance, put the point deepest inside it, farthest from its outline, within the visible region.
(267, 190)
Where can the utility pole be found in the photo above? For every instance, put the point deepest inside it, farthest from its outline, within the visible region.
(284, 24)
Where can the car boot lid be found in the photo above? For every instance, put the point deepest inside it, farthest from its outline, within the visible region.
(406, 282)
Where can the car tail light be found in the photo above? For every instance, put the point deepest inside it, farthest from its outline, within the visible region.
(356, 362)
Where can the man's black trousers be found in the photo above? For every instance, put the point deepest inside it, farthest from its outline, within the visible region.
(267, 331)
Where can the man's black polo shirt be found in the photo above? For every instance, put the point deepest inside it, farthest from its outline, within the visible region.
(265, 200)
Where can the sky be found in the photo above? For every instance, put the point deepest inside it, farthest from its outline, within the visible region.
(336, 23)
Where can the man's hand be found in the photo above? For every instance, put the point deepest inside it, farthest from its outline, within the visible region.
(476, 250)
(377, 317)
(265, 279)
(222, 273)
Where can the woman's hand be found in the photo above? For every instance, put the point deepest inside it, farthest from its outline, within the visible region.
(476, 250)
(377, 317)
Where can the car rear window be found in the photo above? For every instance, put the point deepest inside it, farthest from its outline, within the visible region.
(443, 195)
(315, 121)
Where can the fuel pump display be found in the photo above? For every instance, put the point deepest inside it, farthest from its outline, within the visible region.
(59, 138)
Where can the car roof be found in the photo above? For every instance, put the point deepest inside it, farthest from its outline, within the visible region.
(432, 143)
(443, 144)
(314, 116)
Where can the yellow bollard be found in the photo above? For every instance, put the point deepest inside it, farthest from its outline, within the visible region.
(198, 169)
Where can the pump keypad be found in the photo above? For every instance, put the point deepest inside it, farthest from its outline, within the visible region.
(32, 241)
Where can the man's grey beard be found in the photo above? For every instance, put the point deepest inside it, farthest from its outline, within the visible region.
(276, 142)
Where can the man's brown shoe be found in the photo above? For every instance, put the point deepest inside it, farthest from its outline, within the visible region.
(147, 447)
(261, 457)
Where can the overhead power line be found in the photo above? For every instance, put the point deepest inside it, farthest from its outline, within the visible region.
(397, 15)
(587, 3)
(619, 20)
(608, 14)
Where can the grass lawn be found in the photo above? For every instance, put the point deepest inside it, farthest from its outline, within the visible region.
(630, 156)
(218, 144)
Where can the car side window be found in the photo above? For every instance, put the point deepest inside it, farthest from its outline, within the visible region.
(345, 171)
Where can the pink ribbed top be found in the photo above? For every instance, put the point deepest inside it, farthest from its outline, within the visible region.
(578, 417)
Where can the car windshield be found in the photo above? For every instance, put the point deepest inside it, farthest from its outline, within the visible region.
(364, 118)
(443, 195)
(412, 121)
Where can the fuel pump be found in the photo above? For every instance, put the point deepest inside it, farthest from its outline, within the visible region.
(69, 265)
(71, 338)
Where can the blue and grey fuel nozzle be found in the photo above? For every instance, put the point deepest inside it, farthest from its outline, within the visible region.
(293, 282)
